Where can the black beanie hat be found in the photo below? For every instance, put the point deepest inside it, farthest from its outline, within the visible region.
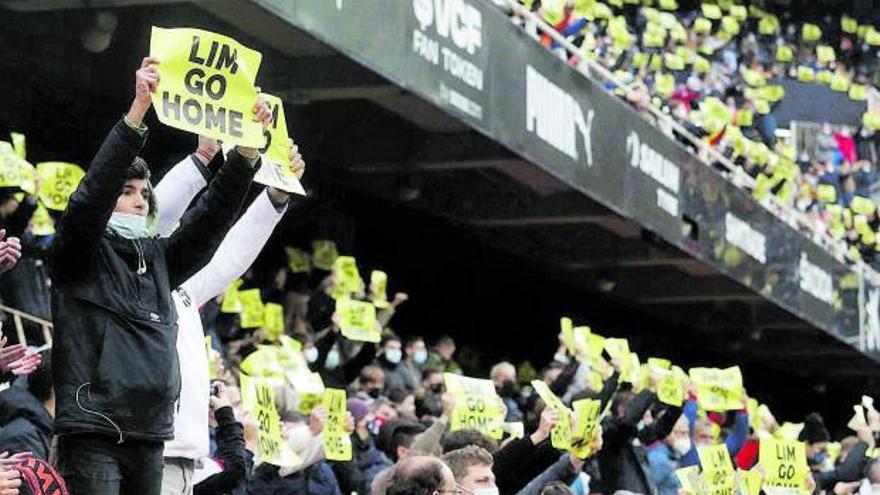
(814, 430)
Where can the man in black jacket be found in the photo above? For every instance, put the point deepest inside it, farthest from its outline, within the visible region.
(622, 460)
(116, 369)
(26, 413)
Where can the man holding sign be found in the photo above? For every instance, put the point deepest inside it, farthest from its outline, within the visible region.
(116, 370)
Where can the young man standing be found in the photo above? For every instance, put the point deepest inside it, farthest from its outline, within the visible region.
(115, 364)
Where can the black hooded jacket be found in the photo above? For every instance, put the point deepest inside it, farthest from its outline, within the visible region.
(115, 359)
(26, 424)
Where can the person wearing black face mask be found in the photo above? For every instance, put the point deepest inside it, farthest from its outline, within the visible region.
(503, 375)
(428, 398)
(371, 382)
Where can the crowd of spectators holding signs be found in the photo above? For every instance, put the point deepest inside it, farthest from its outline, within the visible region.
(716, 68)
(174, 369)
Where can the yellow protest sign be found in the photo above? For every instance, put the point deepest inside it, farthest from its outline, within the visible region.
(560, 435)
(231, 302)
(691, 481)
(862, 205)
(346, 275)
(660, 363)
(337, 443)
(718, 470)
(260, 399)
(566, 334)
(825, 54)
(276, 168)
(848, 24)
(839, 83)
(298, 260)
(251, 308)
(811, 32)
(18, 144)
(324, 254)
(14, 171)
(213, 358)
(730, 25)
(42, 222)
(670, 389)
(717, 389)
(857, 92)
(784, 463)
(515, 429)
(263, 363)
(702, 65)
(784, 53)
(207, 85)
(59, 180)
(749, 481)
(805, 74)
(826, 193)
(702, 25)
(739, 12)
(357, 320)
(477, 405)
(273, 320)
(871, 120)
(379, 289)
(711, 11)
(586, 413)
(768, 25)
(745, 118)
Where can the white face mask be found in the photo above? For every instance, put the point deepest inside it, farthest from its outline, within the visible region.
(332, 360)
(420, 357)
(311, 354)
(485, 491)
(682, 445)
(128, 225)
(393, 355)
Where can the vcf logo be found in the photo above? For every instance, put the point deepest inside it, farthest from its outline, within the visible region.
(453, 19)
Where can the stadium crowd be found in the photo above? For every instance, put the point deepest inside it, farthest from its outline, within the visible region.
(716, 68)
(174, 369)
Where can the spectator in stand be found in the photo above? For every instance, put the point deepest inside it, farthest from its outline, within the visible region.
(664, 458)
(421, 476)
(114, 322)
(441, 358)
(397, 374)
(26, 413)
(503, 375)
(416, 356)
(370, 384)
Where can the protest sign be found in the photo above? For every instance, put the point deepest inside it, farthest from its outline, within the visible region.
(259, 397)
(357, 320)
(231, 302)
(252, 308)
(586, 413)
(276, 168)
(324, 253)
(378, 289)
(718, 390)
(298, 260)
(273, 320)
(337, 443)
(207, 85)
(477, 405)
(59, 180)
(785, 465)
(718, 470)
(560, 435)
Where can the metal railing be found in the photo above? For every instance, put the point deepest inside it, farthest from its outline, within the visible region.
(707, 154)
(18, 319)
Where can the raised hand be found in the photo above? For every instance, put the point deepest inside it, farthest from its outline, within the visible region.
(146, 82)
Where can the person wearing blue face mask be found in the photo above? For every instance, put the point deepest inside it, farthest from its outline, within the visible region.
(416, 356)
(390, 359)
(115, 364)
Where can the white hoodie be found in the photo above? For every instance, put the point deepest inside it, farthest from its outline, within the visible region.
(236, 254)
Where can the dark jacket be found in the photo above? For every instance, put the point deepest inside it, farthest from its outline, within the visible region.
(317, 479)
(230, 450)
(518, 462)
(116, 371)
(26, 424)
(357, 476)
(397, 375)
(622, 463)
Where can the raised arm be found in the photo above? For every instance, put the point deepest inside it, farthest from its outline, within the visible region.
(245, 240)
(203, 226)
(177, 189)
(83, 223)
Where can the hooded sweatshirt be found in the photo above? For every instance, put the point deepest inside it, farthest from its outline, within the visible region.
(27, 425)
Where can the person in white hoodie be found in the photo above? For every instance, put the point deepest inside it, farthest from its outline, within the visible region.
(235, 255)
